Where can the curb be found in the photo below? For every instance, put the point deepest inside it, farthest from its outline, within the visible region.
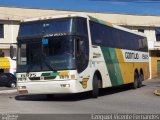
(157, 92)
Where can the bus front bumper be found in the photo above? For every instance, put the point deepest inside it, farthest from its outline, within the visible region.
(50, 87)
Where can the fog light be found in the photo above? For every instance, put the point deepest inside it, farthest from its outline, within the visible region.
(23, 92)
(68, 85)
(65, 85)
(21, 87)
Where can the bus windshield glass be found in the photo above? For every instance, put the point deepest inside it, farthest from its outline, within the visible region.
(55, 44)
(56, 27)
(46, 54)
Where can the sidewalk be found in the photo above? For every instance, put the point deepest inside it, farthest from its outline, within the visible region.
(156, 89)
(157, 92)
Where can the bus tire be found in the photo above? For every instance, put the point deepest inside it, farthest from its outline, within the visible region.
(141, 78)
(95, 90)
(135, 83)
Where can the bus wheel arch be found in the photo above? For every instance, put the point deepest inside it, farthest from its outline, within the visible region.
(96, 84)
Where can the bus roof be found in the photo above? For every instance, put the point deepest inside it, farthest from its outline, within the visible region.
(85, 16)
(55, 16)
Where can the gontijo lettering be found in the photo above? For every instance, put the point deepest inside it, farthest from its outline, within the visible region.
(131, 55)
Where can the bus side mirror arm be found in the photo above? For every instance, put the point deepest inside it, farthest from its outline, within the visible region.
(12, 52)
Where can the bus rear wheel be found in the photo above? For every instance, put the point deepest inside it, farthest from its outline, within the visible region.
(141, 78)
(95, 91)
(136, 81)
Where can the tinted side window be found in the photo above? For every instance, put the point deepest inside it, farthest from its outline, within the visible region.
(101, 34)
(80, 26)
(95, 36)
(107, 36)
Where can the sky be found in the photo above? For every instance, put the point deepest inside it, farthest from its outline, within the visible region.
(145, 7)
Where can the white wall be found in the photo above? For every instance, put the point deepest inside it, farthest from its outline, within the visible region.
(150, 33)
(10, 33)
(10, 36)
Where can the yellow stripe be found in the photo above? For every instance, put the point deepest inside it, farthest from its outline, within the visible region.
(128, 68)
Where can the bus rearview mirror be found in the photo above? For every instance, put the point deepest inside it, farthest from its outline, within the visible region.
(11, 52)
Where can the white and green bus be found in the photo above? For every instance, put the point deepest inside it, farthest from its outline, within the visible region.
(75, 53)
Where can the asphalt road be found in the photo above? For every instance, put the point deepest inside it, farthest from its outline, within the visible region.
(111, 100)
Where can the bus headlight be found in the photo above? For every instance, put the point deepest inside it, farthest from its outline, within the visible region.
(64, 77)
(65, 85)
(21, 79)
(73, 76)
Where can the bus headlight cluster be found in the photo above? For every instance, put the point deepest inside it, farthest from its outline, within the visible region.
(21, 79)
(21, 87)
(65, 85)
(64, 77)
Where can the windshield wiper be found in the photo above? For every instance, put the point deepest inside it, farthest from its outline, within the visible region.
(47, 62)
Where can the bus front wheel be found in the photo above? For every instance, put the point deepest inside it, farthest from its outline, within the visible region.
(95, 90)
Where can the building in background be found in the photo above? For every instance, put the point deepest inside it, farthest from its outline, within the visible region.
(8, 34)
(10, 18)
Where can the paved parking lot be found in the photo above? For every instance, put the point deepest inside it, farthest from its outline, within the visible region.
(111, 100)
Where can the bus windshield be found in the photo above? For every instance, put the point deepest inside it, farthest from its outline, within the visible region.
(55, 44)
(45, 54)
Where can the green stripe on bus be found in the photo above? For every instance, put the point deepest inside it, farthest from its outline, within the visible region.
(45, 74)
(112, 66)
(54, 74)
(50, 74)
(93, 19)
